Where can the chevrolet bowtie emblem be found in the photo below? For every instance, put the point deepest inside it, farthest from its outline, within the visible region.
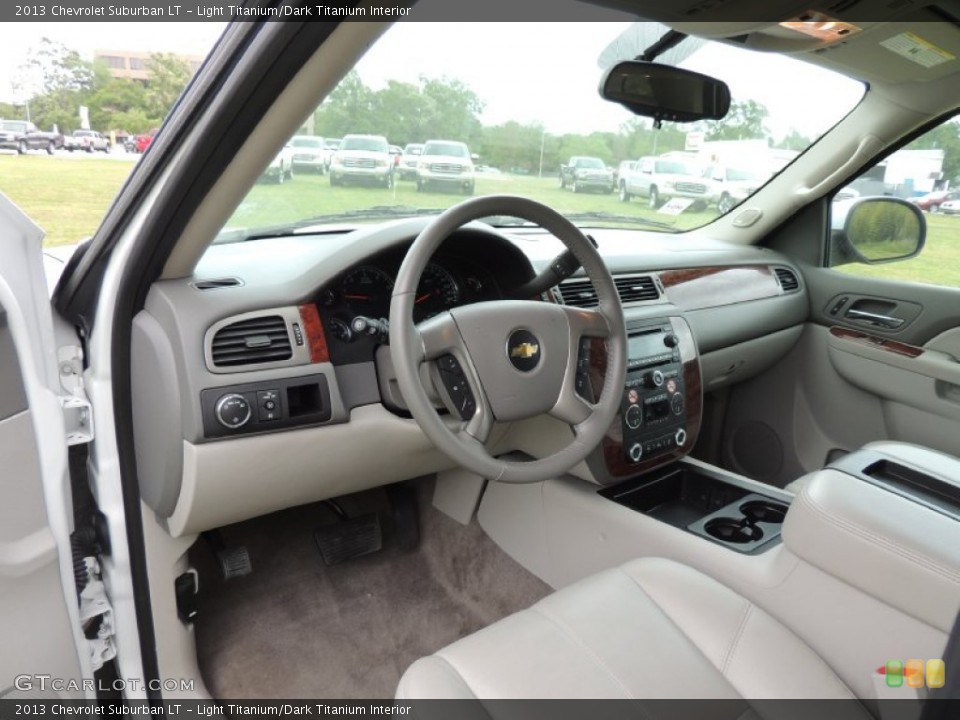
(524, 350)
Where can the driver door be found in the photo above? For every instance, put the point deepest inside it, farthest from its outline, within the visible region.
(39, 617)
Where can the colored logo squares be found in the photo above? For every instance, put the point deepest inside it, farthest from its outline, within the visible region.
(914, 673)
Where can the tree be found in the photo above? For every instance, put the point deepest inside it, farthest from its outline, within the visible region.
(348, 109)
(795, 140)
(745, 121)
(55, 82)
(168, 79)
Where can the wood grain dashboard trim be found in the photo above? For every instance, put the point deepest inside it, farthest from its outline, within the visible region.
(315, 335)
(697, 288)
(875, 341)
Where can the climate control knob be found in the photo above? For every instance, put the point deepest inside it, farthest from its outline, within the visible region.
(655, 378)
(633, 417)
(233, 411)
(680, 438)
(636, 452)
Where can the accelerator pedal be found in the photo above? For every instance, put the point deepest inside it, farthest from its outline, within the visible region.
(406, 515)
(233, 561)
(348, 539)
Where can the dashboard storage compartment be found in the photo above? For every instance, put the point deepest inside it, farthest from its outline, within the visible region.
(704, 503)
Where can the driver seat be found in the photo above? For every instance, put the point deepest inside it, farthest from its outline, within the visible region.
(652, 628)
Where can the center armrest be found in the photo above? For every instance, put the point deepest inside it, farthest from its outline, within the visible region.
(903, 550)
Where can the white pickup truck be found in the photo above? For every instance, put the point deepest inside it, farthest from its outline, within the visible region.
(87, 140)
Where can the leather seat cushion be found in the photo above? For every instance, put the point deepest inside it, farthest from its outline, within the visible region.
(652, 628)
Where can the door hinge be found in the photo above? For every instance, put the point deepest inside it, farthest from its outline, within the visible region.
(96, 617)
(77, 411)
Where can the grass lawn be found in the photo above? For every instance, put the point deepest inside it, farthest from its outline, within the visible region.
(66, 196)
(69, 195)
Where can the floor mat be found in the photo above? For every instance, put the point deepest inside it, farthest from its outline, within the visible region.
(298, 629)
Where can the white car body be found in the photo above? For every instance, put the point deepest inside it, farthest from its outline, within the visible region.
(280, 168)
(309, 153)
(446, 163)
(950, 207)
(363, 159)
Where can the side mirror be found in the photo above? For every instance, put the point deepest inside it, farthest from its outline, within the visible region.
(663, 92)
(876, 230)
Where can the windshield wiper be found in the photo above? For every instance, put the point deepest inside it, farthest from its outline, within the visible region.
(614, 217)
(378, 212)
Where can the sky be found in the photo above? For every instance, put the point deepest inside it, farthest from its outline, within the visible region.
(522, 76)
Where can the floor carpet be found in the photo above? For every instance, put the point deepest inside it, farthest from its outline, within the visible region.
(295, 628)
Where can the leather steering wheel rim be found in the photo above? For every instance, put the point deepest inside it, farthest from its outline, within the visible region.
(463, 332)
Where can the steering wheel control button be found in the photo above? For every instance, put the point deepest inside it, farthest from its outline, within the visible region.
(633, 417)
(582, 376)
(635, 452)
(680, 438)
(457, 386)
(268, 405)
(523, 350)
(233, 411)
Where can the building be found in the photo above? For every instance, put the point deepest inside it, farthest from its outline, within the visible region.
(134, 64)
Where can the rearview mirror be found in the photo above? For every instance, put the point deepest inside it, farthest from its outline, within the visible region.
(663, 92)
(876, 230)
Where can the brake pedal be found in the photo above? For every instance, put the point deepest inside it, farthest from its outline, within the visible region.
(349, 539)
(234, 561)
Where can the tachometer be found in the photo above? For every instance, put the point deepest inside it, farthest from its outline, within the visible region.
(367, 291)
(437, 292)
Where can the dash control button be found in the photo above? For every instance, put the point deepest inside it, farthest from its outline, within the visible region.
(268, 405)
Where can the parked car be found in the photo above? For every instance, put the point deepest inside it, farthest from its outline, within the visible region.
(21, 135)
(446, 163)
(281, 168)
(933, 202)
(87, 141)
(624, 167)
(950, 207)
(660, 178)
(734, 184)
(143, 141)
(330, 146)
(309, 153)
(362, 159)
(586, 173)
(396, 152)
(409, 160)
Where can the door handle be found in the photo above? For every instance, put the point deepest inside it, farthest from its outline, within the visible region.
(885, 321)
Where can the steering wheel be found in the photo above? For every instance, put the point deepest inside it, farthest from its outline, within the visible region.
(517, 358)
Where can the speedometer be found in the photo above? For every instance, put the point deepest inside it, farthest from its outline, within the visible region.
(367, 291)
(437, 292)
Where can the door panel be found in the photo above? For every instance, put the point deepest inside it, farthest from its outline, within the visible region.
(39, 618)
(34, 617)
(853, 379)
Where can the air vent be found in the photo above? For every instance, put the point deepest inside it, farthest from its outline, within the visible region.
(631, 288)
(217, 283)
(842, 6)
(636, 288)
(579, 293)
(787, 279)
(249, 342)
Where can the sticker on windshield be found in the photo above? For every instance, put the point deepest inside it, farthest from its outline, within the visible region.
(916, 49)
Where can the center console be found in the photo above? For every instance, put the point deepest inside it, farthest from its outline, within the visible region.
(661, 402)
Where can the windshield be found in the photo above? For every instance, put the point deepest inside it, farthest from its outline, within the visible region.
(589, 163)
(14, 126)
(307, 142)
(520, 107)
(444, 148)
(362, 143)
(413, 149)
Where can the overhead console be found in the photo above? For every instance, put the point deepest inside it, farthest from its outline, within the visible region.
(661, 406)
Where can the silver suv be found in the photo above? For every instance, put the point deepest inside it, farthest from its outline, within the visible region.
(660, 178)
(446, 163)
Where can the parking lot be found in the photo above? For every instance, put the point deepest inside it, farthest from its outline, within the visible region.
(72, 191)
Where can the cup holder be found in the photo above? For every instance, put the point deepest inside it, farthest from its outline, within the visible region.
(764, 511)
(733, 531)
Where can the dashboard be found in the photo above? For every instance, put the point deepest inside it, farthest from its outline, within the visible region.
(265, 380)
